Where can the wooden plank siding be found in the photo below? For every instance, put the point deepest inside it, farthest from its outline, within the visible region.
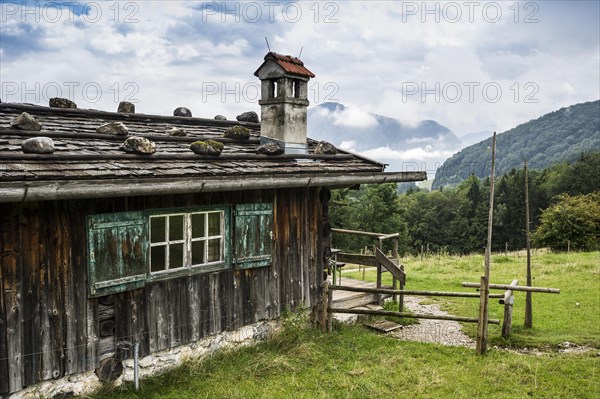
(49, 328)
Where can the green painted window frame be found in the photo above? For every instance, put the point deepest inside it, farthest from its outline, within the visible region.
(119, 245)
(253, 232)
(189, 268)
(112, 266)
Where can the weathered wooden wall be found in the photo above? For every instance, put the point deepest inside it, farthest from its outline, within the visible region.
(49, 328)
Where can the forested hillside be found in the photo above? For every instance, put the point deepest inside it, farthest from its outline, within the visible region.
(560, 136)
(455, 220)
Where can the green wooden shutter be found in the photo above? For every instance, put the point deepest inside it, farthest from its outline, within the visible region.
(117, 251)
(253, 235)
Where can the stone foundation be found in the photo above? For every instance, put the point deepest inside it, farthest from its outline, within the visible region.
(85, 383)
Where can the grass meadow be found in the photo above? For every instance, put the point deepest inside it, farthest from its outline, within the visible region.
(354, 362)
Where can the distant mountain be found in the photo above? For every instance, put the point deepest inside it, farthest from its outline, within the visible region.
(387, 139)
(559, 136)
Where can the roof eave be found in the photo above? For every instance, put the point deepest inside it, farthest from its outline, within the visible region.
(81, 189)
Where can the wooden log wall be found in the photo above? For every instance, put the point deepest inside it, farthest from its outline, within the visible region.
(49, 328)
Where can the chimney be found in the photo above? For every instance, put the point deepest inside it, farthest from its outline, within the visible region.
(283, 103)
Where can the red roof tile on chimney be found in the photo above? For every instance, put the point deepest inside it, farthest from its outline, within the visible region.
(290, 64)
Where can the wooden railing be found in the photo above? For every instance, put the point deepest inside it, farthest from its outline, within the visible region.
(379, 260)
(328, 308)
(508, 299)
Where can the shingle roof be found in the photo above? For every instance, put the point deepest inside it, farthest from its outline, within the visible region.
(289, 64)
(83, 156)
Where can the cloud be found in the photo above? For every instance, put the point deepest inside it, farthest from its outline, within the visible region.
(348, 145)
(363, 52)
(426, 158)
(421, 140)
(348, 116)
(425, 153)
(352, 116)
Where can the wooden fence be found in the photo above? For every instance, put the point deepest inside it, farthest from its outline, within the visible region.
(379, 260)
(383, 263)
(328, 309)
(508, 299)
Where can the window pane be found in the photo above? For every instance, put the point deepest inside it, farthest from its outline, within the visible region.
(214, 250)
(157, 258)
(198, 225)
(176, 227)
(175, 256)
(157, 229)
(198, 252)
(214, 224)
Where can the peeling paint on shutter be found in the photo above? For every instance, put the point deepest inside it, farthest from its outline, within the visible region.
(117, 251)
(253, 235)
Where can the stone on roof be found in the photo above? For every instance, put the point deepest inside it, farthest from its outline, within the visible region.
(58, 102)
(91, 164)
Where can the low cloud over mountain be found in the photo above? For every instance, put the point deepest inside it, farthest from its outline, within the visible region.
(405, 147)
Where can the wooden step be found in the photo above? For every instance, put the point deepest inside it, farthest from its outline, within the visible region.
(384, 326)
(356, 299)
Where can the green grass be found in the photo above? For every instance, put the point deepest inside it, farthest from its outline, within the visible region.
(556, 318)
(354, 362)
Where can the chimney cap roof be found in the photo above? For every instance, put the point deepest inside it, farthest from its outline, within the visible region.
(289, 64)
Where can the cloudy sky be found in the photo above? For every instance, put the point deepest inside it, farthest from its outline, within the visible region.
(472, 66)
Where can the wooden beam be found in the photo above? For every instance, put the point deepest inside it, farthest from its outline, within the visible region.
(45, 190)
(380, 236)
(515, 288)
(390, 266)
(409, 315)
(357, 301)
(357, 259)
(358, 233)
(388, 236)
(410, 292)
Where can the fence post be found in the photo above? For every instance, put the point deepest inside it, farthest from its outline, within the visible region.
(379, 270)
(329, 312)
(528, 305)
(508, 301)
(325, 305)
(401, 297)
(483, 317)
(482, 330)
(395, 255)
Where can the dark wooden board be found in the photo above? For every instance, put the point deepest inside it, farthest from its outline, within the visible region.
(384, 326)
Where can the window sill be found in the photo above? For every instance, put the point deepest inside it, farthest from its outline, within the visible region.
(188, 271)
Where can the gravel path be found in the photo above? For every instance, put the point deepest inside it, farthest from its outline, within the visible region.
(444, 332)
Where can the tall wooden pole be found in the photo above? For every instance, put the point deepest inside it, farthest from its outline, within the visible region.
(482, 327)
(528, 306)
